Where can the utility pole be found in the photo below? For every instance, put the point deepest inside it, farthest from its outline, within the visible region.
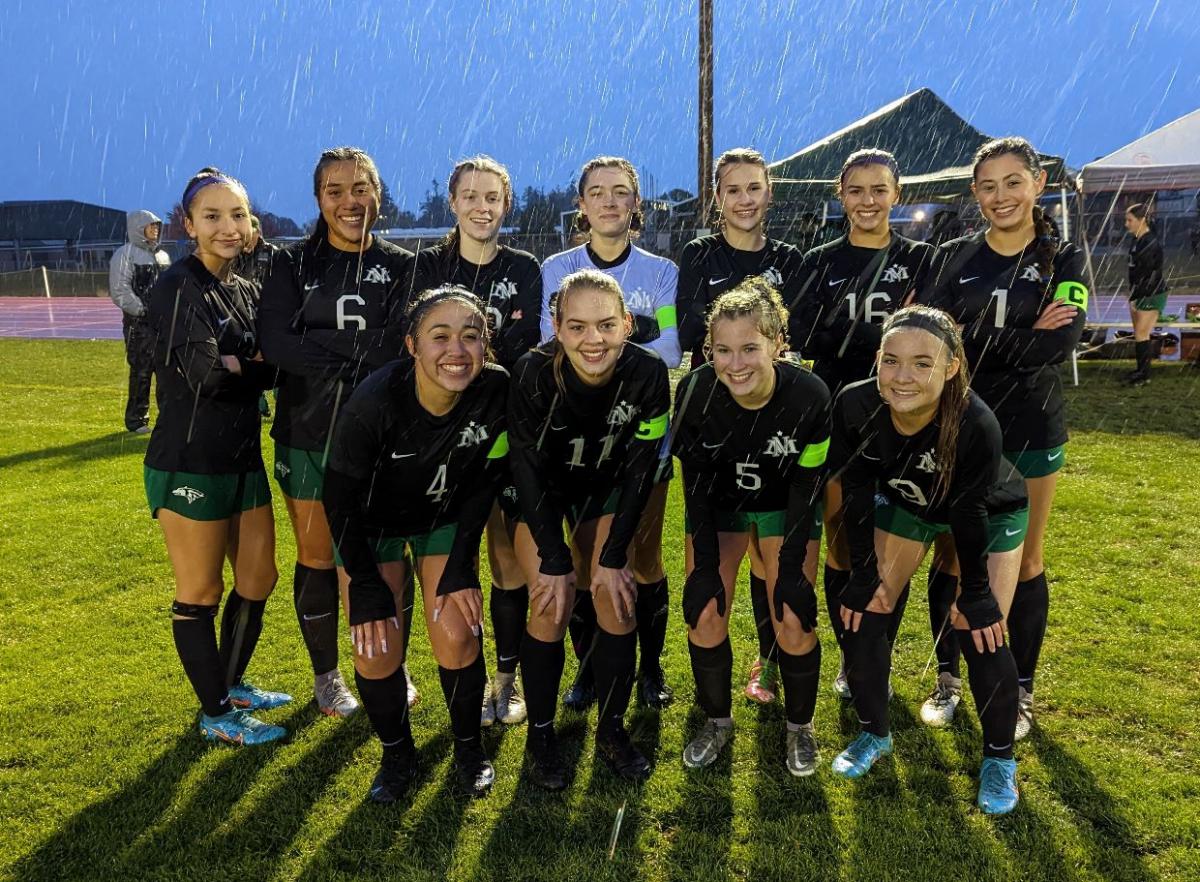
(705, 107)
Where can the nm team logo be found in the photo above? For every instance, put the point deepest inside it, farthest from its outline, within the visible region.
(503, 289)
(472, 434)
(1031, 274)
(378, 274)
(897, 272)
(621, 413)
(927, 463)
(282, 470)
(781, 445)
(191, 494)
(774, 276)
(639, 302)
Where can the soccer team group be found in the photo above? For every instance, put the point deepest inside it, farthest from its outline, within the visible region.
(893, 396)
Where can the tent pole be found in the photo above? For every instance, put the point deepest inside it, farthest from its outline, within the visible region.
(1066, 216)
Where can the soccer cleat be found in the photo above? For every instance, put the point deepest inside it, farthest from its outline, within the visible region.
(801, 752)
(764, 680)
(141, 430)
(238, 727)
(857, 759)
(938, 709)
(546, 768)
(1024, 714)
(579, 697)
(334, 698)
(473, 771)
(653, 689)
(998, 793)
(703, 750)
(487, 712)
(247, 696)
(397, 770)
(414, 697)
(621, 755)
(510, 704)
(1140, 380)
(841, 685)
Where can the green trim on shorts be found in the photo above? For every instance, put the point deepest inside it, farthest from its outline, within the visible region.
(1153, 303)
(392, 548)
(1037, 463)
(205, 497)
(300, 474)
(767, 524)
(1006, 530)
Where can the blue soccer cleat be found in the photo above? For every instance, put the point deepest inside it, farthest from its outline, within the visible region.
(247, 696)
(238, 727)
(857, 759)
(998, 793)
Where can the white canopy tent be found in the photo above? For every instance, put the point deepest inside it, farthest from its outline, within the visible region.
(1166, 159)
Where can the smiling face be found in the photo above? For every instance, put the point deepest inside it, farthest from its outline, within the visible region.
(592, 328)
(349, 204)
(743, 192)
(914, 366)
(608, 201)
(744, 358)
(449, 346)
(218, 218)
(868, 193)
(479, 204)
(1007, 191)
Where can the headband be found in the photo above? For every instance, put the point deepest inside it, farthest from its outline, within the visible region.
(924, 323)
(442, 294)
(190, 193)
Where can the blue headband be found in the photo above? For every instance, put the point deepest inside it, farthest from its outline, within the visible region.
(190, 193)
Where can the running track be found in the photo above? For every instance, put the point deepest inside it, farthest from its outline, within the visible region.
(96, 318)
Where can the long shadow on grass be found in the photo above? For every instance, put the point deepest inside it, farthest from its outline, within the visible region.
(106, 446)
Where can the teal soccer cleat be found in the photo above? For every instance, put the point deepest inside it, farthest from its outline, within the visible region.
(998, 793)
(857, 759)
(238, 727)
(247, 696)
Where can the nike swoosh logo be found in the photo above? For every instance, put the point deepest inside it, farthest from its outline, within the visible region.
(1053, 456)
(872, 458)
(221, 323)
(508, 657)
(312, 286)
(836, 282)
(1008, 532)
(967, 279)
(309, 618)
(402, 455)
(718, 281)
(708, 446)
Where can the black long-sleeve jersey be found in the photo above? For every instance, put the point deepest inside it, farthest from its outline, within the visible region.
(873, 457)
(397, 470)
(1145, 267)
(848, 293)
(329, 318)
(510, 288)
(1013, 367)
(208, 421)
(709, 266)
(579, 443)
(770, 459)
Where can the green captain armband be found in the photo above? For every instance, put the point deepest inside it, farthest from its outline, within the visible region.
(1072, 293)
(814, 455)
(500, 448)
(653, 429)
(665, 316)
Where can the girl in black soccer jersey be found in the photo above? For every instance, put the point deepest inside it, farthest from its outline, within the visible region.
(752, 431)
(920, 455)
(332, 312)
(708, 267)
(851, 285)
(1020, 297)
(1147, 288)
(587, 422)
(509, 282)
(416, 460)
(204, 472)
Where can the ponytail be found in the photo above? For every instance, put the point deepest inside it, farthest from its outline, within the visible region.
(1047, 244)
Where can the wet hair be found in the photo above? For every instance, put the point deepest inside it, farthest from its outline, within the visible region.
(953, 402)
(420, 306)
(754, 298)
(738, 156)
(580, 280)
(1043, 230)
(865, 157)
(617, 162)
(328, 158)
(480, 163)
(204, 178)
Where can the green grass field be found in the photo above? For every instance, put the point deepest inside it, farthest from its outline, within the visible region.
(103, 776)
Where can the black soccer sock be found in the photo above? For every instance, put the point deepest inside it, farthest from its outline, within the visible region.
(463, 689)
(800, 675)
(315, 595)
(196, 643)
(836, 581)
(652, 607)
(993, 678)
(582, 628)
(410, 591)
(238, 607)
(768, 647)
(897, 615)
(868, 666)
(541, 672)
(712, 668)
(1027, 626)
(386, 703)
(943, 587)
(613, 661)
(1142, 350)
(510, 609)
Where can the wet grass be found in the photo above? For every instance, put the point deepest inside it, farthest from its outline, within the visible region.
(102, 775)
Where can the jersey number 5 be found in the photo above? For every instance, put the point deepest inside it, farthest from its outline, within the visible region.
(747, 477)
(344, 319)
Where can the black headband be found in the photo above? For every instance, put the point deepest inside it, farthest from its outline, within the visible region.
(442, 294)
(925, 323)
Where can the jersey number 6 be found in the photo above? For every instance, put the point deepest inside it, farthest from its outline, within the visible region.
(345, 320)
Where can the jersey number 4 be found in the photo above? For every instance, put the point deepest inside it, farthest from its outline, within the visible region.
(437, 487)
